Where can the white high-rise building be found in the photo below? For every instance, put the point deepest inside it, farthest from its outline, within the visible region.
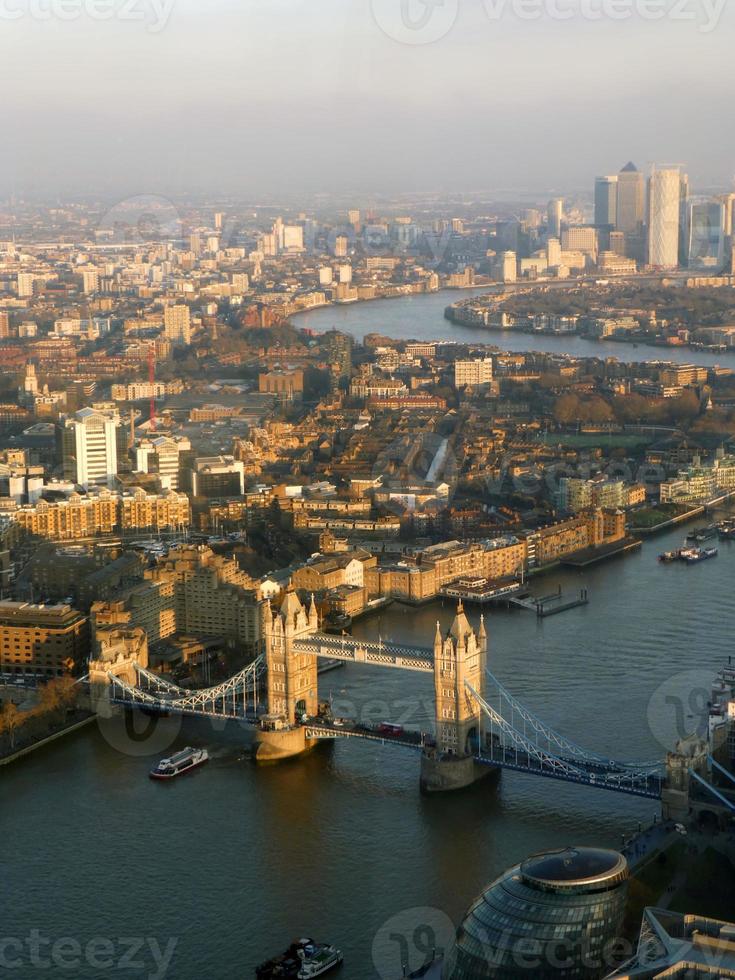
(472, 373)
(555, 217)
(25, 284)
(90, 279)
(89, 447)
(553, 253)
(508, 267)
(664, 216)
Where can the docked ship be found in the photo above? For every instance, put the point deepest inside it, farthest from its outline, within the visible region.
(303, 960)
(692, 556)
(180, 763)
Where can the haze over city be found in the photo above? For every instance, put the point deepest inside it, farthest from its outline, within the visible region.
(283, 97)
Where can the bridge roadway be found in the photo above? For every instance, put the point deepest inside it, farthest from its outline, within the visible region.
(380, 654)
(598, 775)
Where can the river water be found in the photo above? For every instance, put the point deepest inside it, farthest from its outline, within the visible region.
(422, 318)
(234, 861)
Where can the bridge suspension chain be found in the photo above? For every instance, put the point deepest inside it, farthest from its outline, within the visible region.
(566, 746)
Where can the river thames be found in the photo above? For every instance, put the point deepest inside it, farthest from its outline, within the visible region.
(234, 861)
(422, 318)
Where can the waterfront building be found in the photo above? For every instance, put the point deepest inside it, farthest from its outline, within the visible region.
(698, 484)
(552, 917)
(683, 375)
(191, 592)
(576, 495)
(44, 640)
(139, 510)
(686, 946)
(664, 218)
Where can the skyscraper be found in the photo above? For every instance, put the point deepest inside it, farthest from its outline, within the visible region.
(705, 239)
(631, 200)
(664, 217)
(555, 217)
(606, 201)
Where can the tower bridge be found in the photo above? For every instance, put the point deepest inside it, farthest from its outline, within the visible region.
(479, 726)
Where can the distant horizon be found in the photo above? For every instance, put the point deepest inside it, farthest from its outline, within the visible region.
(372, 97)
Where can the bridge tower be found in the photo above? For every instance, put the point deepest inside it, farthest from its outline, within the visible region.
(460, 658)
(292, 679)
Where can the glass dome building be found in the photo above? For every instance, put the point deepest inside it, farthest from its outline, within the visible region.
(553, 917)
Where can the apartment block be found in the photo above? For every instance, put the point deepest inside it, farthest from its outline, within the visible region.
(44, 640)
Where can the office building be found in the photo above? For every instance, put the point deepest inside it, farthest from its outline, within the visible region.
(88, 445)
(44, 640)
(4, 325)
(177, 324)
(217, 476)
(555, 217)
(580, 238)
(507, 267)
(162, 455)
(606, 201)
(705, 226)
(664, 218)
(631, 200)
(571, 900)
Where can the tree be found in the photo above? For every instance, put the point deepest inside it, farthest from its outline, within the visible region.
(567, 409)
(10, 721)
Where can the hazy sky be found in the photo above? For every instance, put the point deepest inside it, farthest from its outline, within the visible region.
(279, 96)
